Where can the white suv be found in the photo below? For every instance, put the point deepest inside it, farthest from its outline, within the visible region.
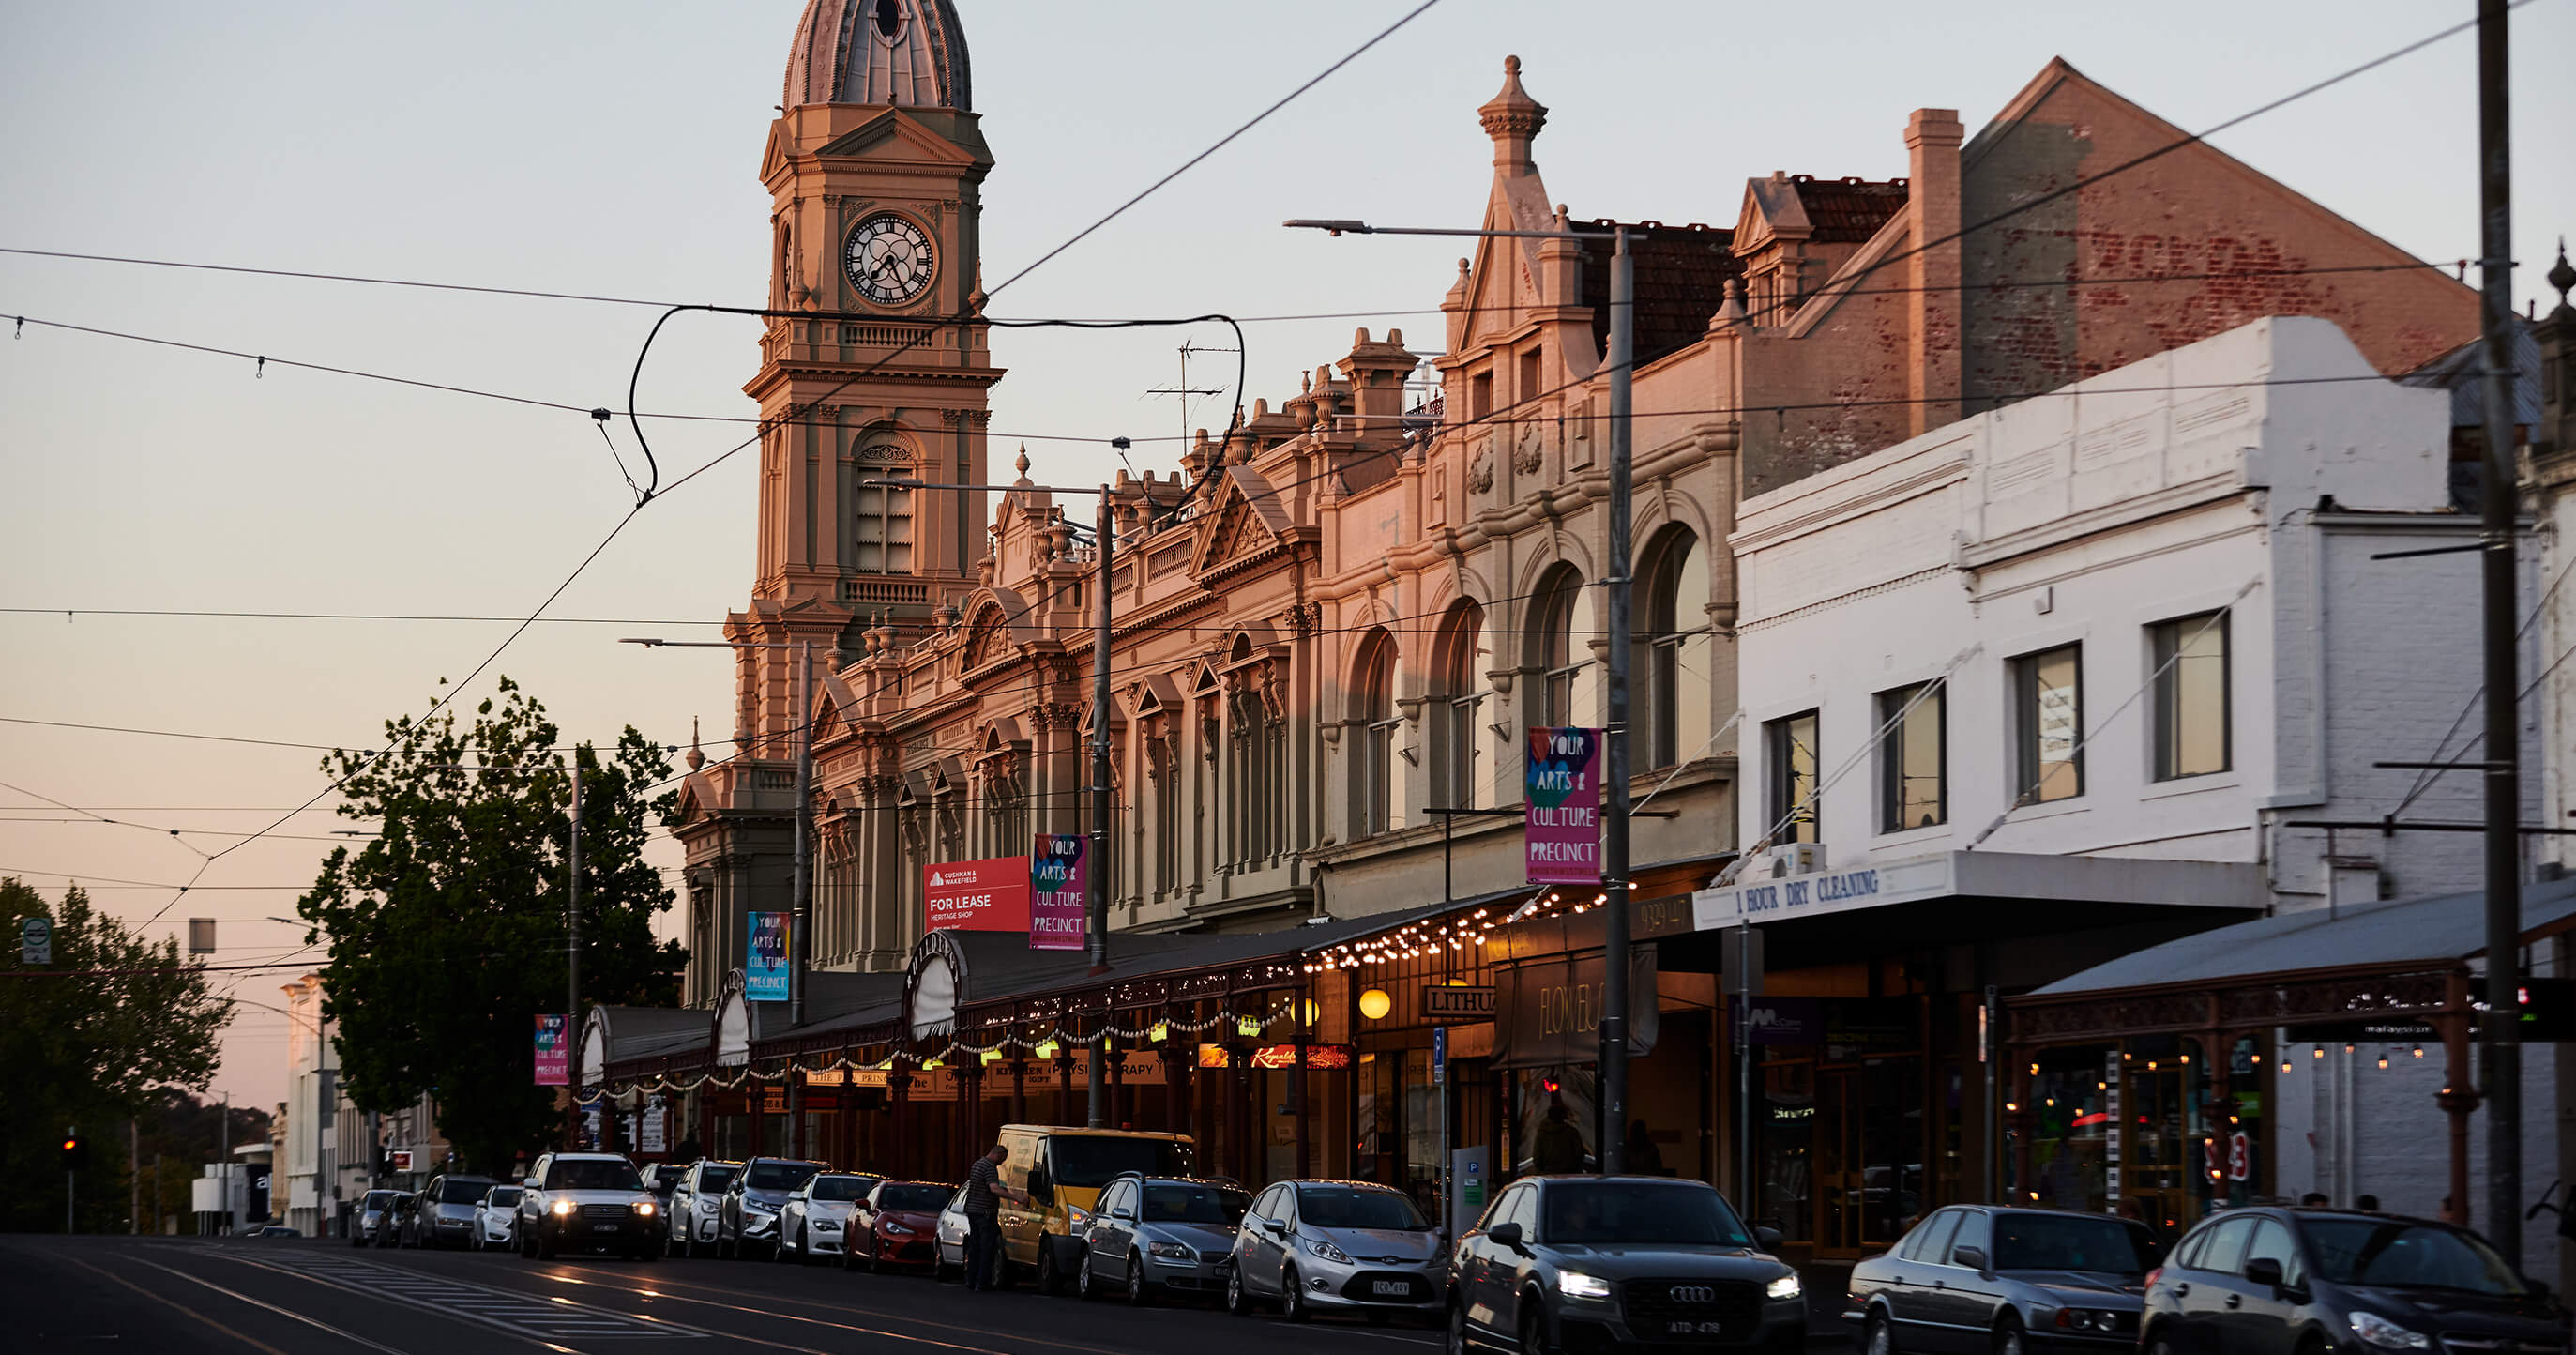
(587, 1202)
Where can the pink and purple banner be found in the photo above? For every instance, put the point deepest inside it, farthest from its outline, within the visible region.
(1562, 823)
(554, 1049)
(1059, 897)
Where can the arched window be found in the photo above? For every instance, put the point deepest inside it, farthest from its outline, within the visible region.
(1565, 619)
(881, 526)
(1377, 781)
(1464, 705)
(1680, 650)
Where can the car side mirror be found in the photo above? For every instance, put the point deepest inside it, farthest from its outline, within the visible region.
(530, 1184)
(1768, 1239)
(2539, 1288)
(1127, 1214)
(2265, 1271)
(1505, 1235)
(1974, 1258)
(1275, 1227)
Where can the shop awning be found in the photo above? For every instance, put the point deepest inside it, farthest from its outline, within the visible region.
(2398, 932)
(1925, 900)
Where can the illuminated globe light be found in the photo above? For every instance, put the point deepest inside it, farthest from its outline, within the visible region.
(1375, 1004)
(1313, 1012)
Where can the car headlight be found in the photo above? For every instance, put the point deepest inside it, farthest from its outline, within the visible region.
(1327, 1251)
(2387, 1335)
(707, 1206)
(644, 1207)
(894, 1229)
(1077, 1217)
(757, 1207)
(1574, 1284)
(2088, 1319)
(1785, 1287)
(1169, 1251)
(561, 1207)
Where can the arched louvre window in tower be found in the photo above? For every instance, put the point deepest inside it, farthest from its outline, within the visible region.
(881, 530)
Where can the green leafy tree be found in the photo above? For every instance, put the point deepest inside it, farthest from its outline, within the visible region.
(446, 933)
(93, 1040)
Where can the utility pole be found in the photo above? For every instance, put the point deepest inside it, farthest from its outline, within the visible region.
(2502, 1037)
(71, 1184)
(1612, 1149)
(800, 916)
(1095, 932)
(224, 1160)
(133, 1177)
(572, 964)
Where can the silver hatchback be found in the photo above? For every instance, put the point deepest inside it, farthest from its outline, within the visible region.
(1154, 1235)
(1342, 1246)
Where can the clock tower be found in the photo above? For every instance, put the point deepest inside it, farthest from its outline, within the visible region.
(874, 366)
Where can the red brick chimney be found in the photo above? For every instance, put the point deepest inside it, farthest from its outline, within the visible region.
(1932, 137)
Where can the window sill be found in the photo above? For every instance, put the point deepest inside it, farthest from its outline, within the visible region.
(2191, 785)
(2073, 804)
(1907, 837)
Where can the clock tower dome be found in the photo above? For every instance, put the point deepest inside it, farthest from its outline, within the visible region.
(874, 366)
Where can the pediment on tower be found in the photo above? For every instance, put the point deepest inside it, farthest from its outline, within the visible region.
(1246, 519)
(900, 136)
(834, 708)
(773, 157)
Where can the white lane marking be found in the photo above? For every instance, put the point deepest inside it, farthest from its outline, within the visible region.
(348, 1336)
(536, 1318)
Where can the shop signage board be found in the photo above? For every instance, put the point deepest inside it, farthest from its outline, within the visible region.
(1833, 891)
(1561, 775)
(1059, 896)
(991, 895)
(1319, 1057)
(652, 1128)
(554, 1050)
(1847, 1027)
(1547, 1012)
(764, 965)
(1443, 1002)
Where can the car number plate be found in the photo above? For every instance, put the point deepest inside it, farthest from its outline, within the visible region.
(603, 1227)
(1394, 1288)
(1694, 1328)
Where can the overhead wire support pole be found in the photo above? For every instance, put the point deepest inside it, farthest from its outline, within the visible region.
(1612, 1149)
(1095, 932)
(2502, 1037)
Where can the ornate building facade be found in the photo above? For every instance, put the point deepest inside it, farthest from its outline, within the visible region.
(1344, 612)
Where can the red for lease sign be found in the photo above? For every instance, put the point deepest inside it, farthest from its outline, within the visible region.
(991, 895)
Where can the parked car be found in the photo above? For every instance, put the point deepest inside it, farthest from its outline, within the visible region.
(587, 1202)
(1154, 1234)
(898, 1225)
(2274, 1281)
(375, 1212)
(444, 1215)
(269, 1230)
(1352, 1246)
(948, 1247)
(748, 1223)
(1975, 1278)
(663, 1177)
(695, 1204)
(397, 1219)
(1062, 1171)
(815, 1219)
(496, 1219)
(1613, 1263)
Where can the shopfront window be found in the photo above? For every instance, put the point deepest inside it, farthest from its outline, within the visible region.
(2134, 1130)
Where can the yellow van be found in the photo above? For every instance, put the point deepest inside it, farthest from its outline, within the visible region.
(1063, 1170)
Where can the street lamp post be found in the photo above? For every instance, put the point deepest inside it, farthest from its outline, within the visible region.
(1614, 758)
(1095, 929)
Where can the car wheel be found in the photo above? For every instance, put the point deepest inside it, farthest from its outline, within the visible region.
(1086, 1286)
(1139, 1293)
(1050, 1274)
(1292, 1297)
(1237, 1300)
(1533, 1326)
(545, 1246)
(2007, 1338)
(1878, 1337)
(2158, 1343)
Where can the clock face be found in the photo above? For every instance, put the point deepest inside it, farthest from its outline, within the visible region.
(889, 259)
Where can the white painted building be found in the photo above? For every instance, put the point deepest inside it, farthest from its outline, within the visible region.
(2138, 618)
(309, 1180)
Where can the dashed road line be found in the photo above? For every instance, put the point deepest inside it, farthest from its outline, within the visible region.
(537, 1318)
(174, 1305)
(349, 1336)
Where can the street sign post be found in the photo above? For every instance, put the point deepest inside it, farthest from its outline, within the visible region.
(36, 941)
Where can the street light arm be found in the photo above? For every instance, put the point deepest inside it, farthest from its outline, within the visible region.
(1330, 227)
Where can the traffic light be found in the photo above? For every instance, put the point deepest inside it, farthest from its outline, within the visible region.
(75, 1151)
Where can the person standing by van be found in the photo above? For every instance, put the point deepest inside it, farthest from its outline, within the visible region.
(984, 1195)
